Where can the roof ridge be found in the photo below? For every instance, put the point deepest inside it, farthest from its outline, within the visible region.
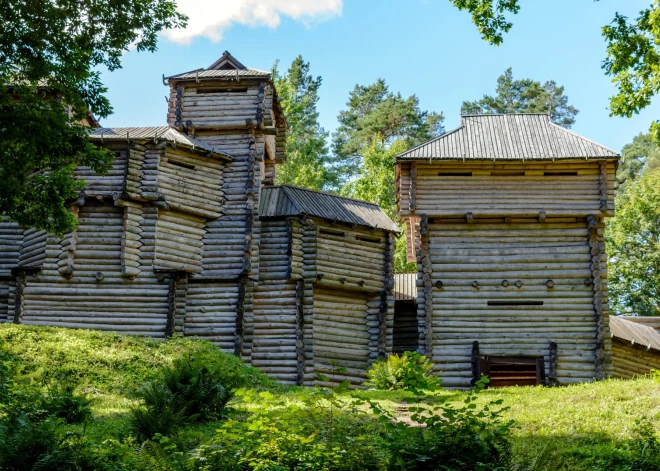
(326, 194)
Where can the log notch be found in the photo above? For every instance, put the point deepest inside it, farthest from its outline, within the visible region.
(19, 299)
(599, 287)
(602, 186)
(309, 251)
(33, 248)
(65, 264)
(386, 314)
(240, 311)
(171, 304)
(425, 288)
(300, 331)
(131, 241)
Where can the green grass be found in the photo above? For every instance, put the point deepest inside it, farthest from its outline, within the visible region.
(580, 427)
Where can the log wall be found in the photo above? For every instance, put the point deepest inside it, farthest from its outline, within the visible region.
(96, 295)
(275, 336)
(633, 360)
(211, 309)
(562, 188)
(490, 262)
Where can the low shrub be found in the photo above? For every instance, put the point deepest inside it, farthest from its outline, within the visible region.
(410, 371)
(189, 391)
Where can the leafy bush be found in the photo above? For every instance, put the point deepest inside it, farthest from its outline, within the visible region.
(63, 403)
(321, 430)
(187, 392)
(445, 437)
(408, 371)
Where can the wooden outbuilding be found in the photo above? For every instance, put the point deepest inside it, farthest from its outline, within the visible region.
(504, 217)
(171, 240)
(635, 345)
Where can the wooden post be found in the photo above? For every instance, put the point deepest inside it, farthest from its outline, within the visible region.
(18, 297)
(597, 287)
(475, 363)
(424, 264)
(240, 315)
(171, 305)
(552, 365)
(300, 336)
(602, 186)
(413, 187)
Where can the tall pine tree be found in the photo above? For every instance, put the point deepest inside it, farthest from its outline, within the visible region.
(306, 147)
(525, 96)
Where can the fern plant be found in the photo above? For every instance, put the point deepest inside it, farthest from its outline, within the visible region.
(410, 371)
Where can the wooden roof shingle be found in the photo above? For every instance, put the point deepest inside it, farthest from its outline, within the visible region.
(158, 133)
(509, 137)
(635, 332)
(405, 286)
(287, 200)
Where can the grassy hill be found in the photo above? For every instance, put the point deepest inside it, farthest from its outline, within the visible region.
(609, 425)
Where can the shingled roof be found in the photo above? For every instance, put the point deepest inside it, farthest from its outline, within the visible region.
(509, 137)
(159, 133)
(226, 67)
(635, 333)
(286, 200)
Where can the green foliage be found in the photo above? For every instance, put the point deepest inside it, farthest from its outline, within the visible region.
(50, 59)
(307, 163)
(374, 113)
(633, 245)
(189, 391)
(449, 437)
(410, 371)
(490, 17)
(633, 51)
(525, 96)
(642, 154)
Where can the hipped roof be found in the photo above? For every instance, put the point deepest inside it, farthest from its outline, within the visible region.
(286, 200)
(226, 67)
(509, 137)
(156, 133)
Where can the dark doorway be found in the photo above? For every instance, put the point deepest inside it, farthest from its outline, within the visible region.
(511, 371)
(406, 334)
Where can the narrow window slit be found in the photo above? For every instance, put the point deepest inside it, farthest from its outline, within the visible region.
(222, 90)
(515, 303)
(560, 174)
(332, 233)
(182, 165)
(454, 174)
(373, 240)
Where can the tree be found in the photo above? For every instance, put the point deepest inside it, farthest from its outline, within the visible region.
(633, 51)
(373, 112)
(307, 152)
(641, 155)
(374, 183)
(633, 243)
(525, 96)
(50, 55)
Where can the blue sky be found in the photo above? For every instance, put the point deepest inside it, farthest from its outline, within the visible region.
(422, 47)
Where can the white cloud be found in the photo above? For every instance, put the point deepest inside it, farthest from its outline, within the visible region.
(210, 18)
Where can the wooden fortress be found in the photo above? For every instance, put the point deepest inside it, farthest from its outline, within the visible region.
(504, 217)
(187, 235)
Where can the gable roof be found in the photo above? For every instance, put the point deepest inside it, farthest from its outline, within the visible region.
(286, 200)
(509, 137)
(160, 133)
(226, 67)
(635, 333)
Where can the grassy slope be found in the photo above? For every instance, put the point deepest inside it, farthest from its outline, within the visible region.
(581, 427)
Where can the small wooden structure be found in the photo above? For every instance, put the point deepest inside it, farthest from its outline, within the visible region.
(171, 241)
(504, 216)
(635, 345)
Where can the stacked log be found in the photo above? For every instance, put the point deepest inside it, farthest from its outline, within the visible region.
(211, 309)
(309, 241)
(603, 350)
(482, 265)
(11, 239)
(424, 290)
(107, 183)
(179, 241)
(632, 360)
(65, 264)
(96, 295)
(566, 188)
(33, 248)
(274, 348)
